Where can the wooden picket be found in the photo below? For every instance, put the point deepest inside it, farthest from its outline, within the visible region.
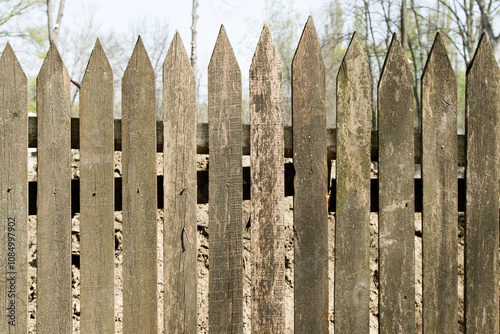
(225, 187)
(352, 228)
(396, 195)
(267, 188)
(97, 232)
(179, 170)
(310, 211)
(396, 200)
(53, 313)
(139, 195)
(13, 195)
(439, 174)
(481, 226)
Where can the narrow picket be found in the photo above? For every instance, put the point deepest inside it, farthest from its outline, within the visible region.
(13, 195)
(481, 226)
(310, 207)
(352, 226)
(440, 198)
(97, 196)
(267, 188)
(140, 302)
(54, 311)
(396, 194)
(225, 188)
(179, 171)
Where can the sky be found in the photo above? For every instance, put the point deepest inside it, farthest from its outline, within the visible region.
(117, 15)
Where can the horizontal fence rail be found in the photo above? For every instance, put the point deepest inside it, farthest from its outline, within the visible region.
(396, 191)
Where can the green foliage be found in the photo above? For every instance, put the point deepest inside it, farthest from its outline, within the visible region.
(32, 94)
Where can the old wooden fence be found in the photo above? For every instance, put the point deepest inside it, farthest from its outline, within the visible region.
(395, 195)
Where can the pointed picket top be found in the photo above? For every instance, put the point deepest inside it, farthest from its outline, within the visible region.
(9, 59)
(223, 52)
(139, 61)
(308, 47)
(98, 65)
(438, 56)
(265, 53)
(54, 65)
(177, 55)
(395, 61)
(484, 56)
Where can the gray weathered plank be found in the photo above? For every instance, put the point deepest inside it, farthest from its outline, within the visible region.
(310, 214)
(267, 188)
(97, 196)
(13, 195)
(179, 170)
(481, 231)
(352, 226)
(396, 198)
(53, 314)
(440, 205)
(139, 195)
(225, 187)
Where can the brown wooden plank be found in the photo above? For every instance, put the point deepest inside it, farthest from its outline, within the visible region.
(440, 205)
(396, 200)
(97, 196)
(225, 187)
(481, 231)
(139, 195)
(311, 185)
(267, 188)
(352, 225)
(13, 194)
(179, 170)
(54, 312)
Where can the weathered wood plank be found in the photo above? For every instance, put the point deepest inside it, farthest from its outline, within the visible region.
(97, 232)
(481, 231)
(311, 185)
(352, 225)
(13, 195)
(440, 198)
(53, 313)
(267, 188)
(396, 200)
(225, 188)
(179, 170)
(202, 140)
(139, 195)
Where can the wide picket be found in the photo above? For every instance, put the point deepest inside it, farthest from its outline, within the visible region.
(267, 188)
(440, 206)
(226, 191)
(13, 195)
(352, 226)
(179, 170)
(481, 225)
(97, 233)
(310, 207)
(396, 200)
(140, 272)
(53, 311)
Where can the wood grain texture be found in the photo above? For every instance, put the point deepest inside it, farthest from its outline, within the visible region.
(53, 314)
(225, 188)
(481, 231)
(97, 232)
(311, 185)
(179, 170)
(139, 195)
(13, 195)
(352, 226)
(267, 188)
(396, 189)
(440, 206)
